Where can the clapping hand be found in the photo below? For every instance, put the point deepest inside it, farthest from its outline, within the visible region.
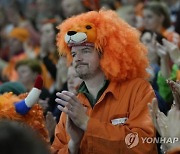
(175, 87)
(173, 51)
(73, 108)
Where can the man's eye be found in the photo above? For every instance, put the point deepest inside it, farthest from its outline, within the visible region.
(86, 51)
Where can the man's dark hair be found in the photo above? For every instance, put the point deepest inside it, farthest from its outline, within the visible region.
(17, 138)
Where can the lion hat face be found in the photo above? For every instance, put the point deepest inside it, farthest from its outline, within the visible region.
(81, 34)
(123, 55)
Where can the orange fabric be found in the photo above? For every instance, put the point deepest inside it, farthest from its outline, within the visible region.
(19, 33)
(101, 137)
(9, 71)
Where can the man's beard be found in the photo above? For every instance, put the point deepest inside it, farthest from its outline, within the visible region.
(84, 76)
(83, 73)
(86, 73)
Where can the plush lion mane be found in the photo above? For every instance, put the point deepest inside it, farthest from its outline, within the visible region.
(123, 55)
(34, 118)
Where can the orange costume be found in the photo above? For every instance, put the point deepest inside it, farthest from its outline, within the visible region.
(126, 100)
(10, 72)
(33, 118)
(121, 111)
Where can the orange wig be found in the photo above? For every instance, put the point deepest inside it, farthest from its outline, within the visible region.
(34, 118)
(124, 57)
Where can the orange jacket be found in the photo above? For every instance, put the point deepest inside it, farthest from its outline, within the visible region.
(128, 99)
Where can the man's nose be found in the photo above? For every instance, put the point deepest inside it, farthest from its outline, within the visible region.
(78, 57)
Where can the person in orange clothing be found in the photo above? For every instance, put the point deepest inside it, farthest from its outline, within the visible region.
(110, 113)
(16, 39)
(18, 44)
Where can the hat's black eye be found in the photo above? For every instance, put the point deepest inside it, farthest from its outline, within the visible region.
(88, 27)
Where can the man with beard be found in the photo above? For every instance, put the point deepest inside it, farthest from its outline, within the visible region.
(110, 113)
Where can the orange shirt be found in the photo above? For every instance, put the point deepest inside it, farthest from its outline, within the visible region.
(120, 100)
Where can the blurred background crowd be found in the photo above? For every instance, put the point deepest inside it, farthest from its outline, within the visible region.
(28, 31)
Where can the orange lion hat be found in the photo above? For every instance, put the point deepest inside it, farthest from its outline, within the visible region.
(123, 55)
